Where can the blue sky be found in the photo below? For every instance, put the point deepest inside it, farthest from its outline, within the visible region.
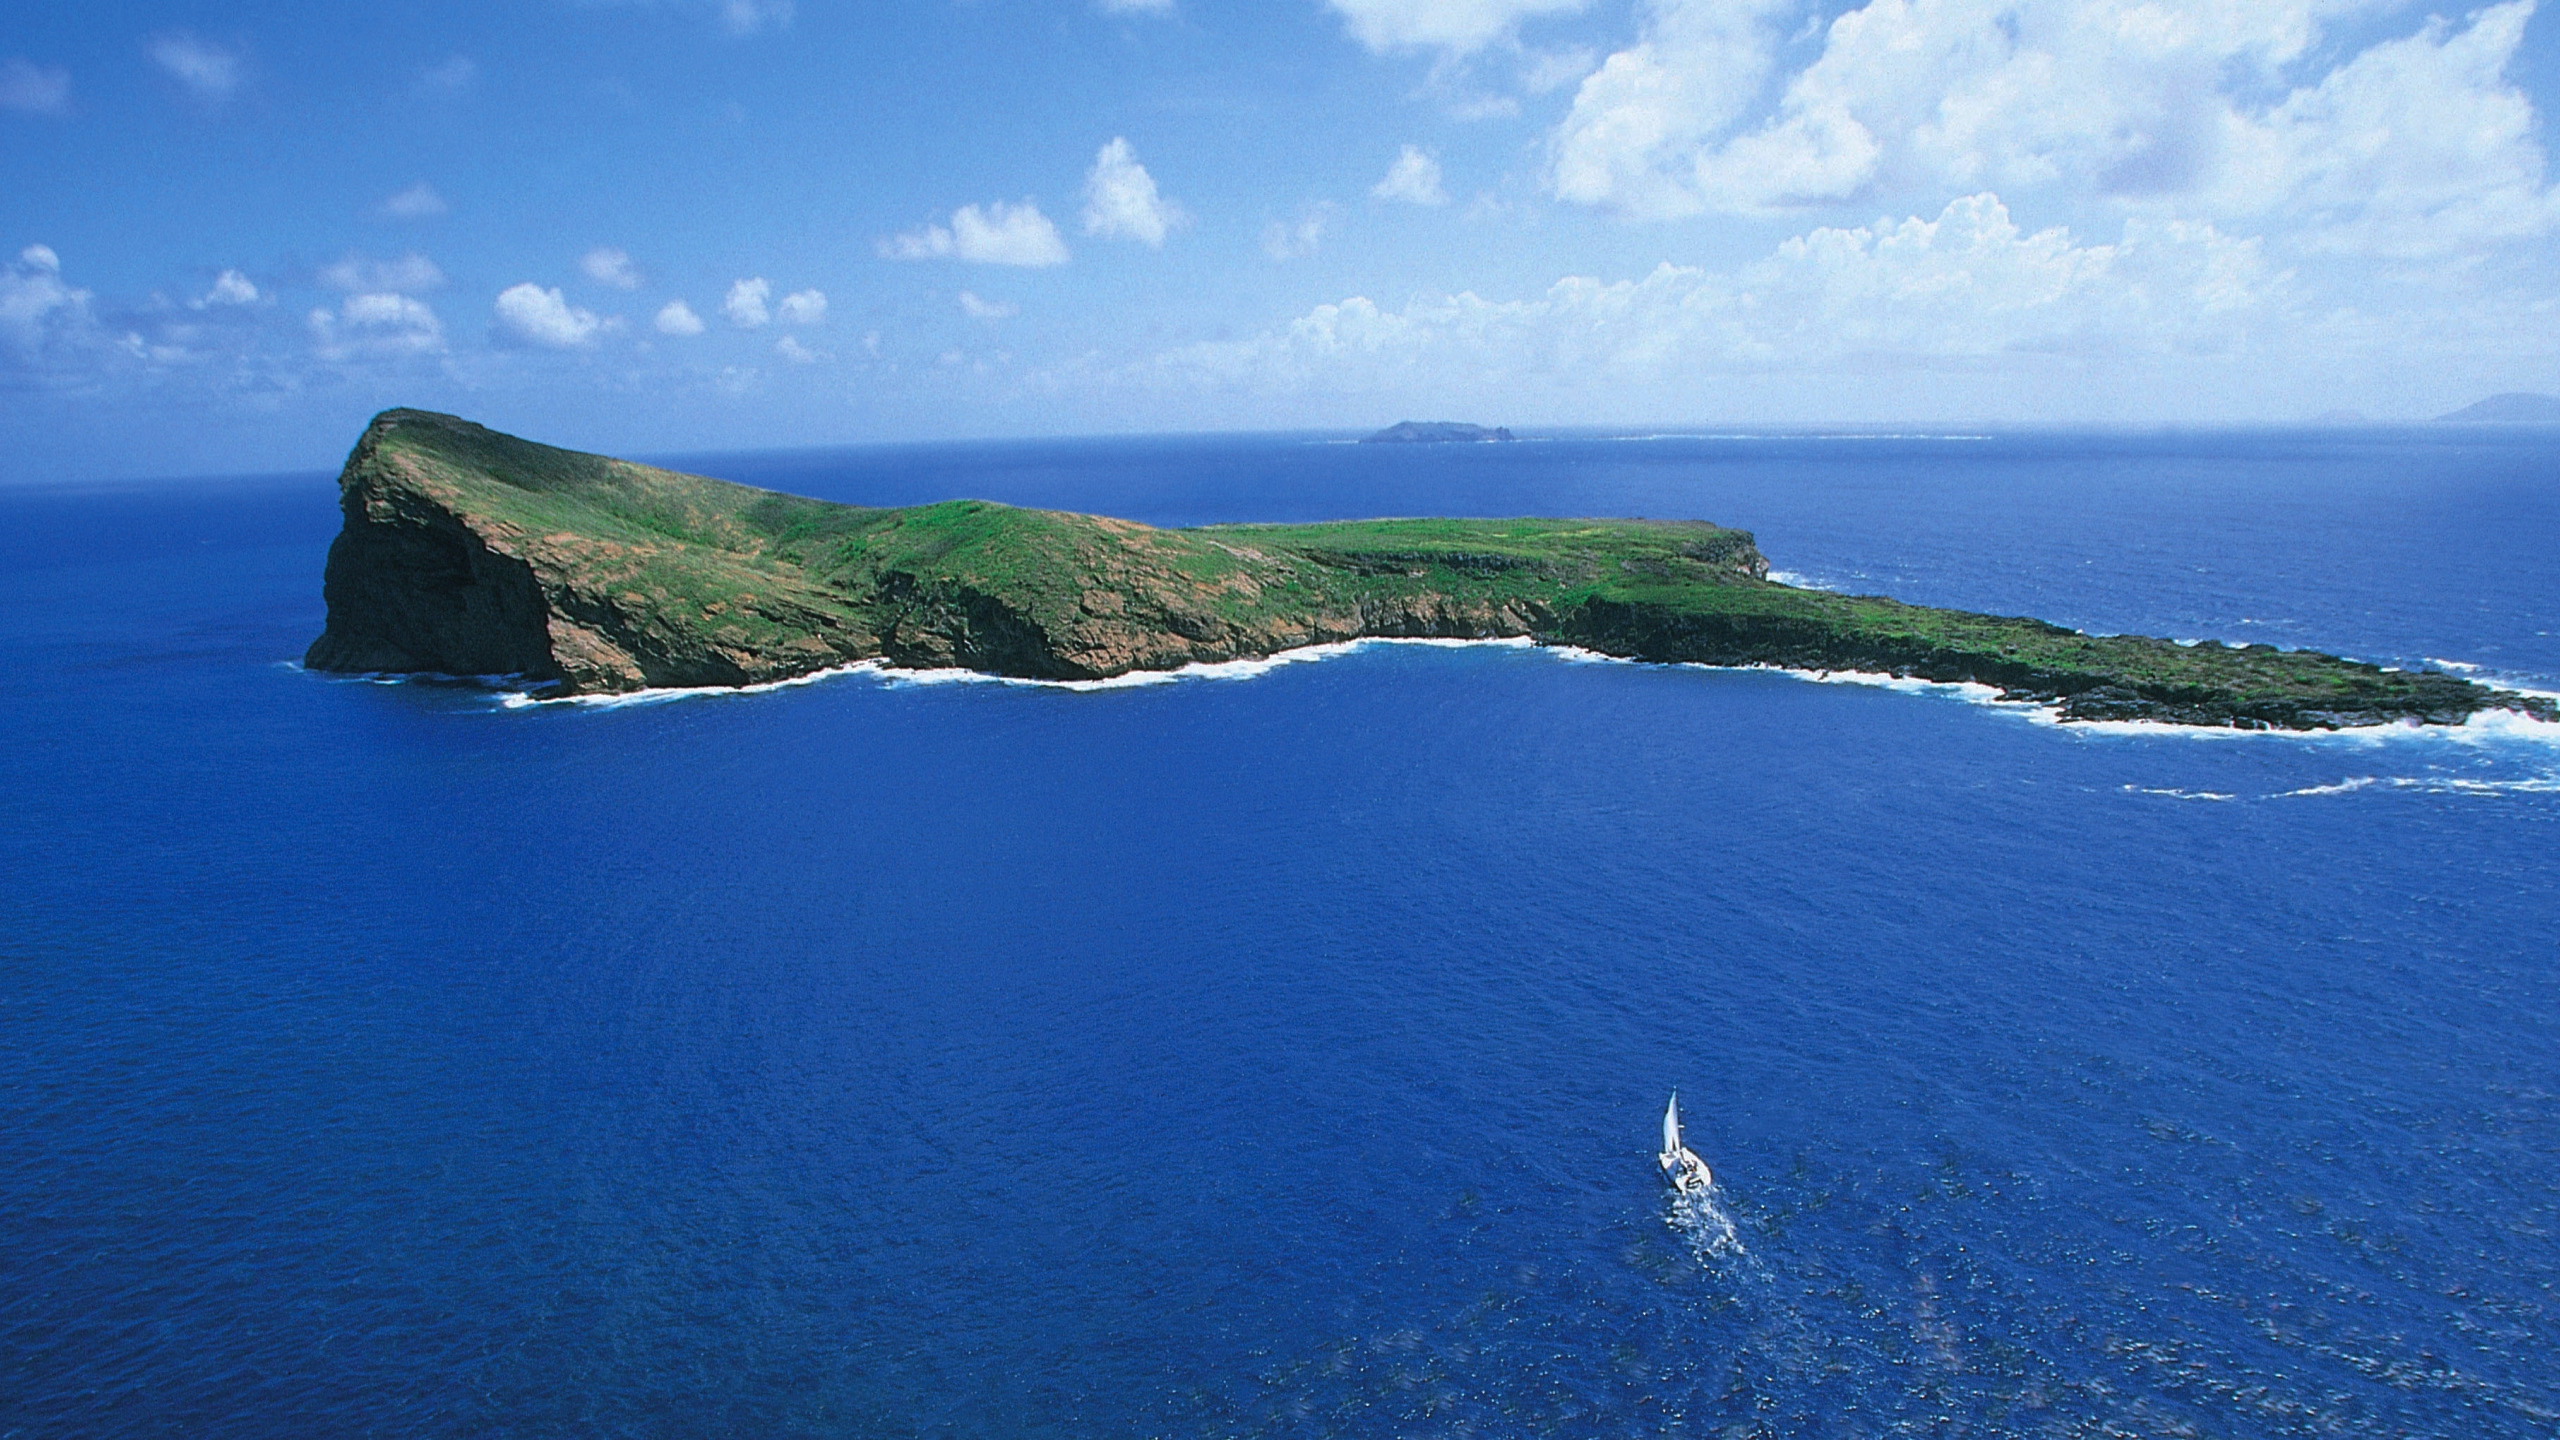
(230, 233)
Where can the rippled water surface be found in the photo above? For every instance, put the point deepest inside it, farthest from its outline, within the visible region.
(1284, 1056)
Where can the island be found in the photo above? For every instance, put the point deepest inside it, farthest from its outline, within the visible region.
(2516, 407)
(467, 552)
(1436, 432)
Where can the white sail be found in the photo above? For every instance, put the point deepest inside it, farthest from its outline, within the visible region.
(1671, 1126)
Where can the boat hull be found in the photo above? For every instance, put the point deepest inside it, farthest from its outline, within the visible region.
(1684, 1172)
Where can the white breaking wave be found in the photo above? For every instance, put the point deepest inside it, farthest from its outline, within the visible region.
(1971, 691)
(2433, 785)
(1800, 581)
(523, 699)
(2483, 727)
(895, 675)
(2179, 794)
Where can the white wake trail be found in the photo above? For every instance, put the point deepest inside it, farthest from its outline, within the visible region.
(1703, 1225)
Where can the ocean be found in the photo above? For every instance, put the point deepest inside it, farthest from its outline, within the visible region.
(1282, 1052)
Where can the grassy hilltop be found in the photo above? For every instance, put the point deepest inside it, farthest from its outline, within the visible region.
(470, 552)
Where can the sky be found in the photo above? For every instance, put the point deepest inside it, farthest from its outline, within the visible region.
(230, 233)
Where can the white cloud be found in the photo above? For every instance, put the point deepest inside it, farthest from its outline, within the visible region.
(1001, 234)
(803, 307)
(2415, 147)
(1967, 286)
(1297, 239)
(40, 316)
(1640, 125)
(212, 73)
(678, 319)
(451, 76)
(2206, 107)
(1461, 26)
(229, 288)
(34, 89)
(753, 17)
(1414, 178)
(790, 348)
(418, 202)
(745, 303)
(607, 266)
(408, 275)
(537, 316)
(376, 327)
(1120, 199)
(977, 309)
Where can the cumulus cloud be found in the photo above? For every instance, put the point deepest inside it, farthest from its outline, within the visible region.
(2415, 147)
(50, 338)
(536, 316)
(1966, 285)
(2410, 145)
(409, 275)
(39, 314)
(1460, 26)
(229, 288)
(977, 309)
(212, 73)
(677, 318)
(1298, 239)
(1001, 234)
(745, 303)
(607, 266)
(790, 348)
(1414, 179)
(1120, 199)
(33, 89)
(418, 202)
(376, 327)
(803, 307)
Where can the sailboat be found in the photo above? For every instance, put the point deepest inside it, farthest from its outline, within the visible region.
(1681, 1167)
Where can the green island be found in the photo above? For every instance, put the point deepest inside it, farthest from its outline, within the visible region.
(468, 552)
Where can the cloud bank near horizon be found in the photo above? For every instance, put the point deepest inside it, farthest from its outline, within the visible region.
(2190, 207)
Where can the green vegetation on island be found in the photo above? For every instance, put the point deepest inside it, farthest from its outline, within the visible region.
(468, 552)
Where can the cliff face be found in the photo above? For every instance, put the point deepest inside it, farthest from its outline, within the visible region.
(412, 586)
(466, 552)
(472, 553)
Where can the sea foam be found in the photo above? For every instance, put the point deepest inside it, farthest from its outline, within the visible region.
(2485, 725)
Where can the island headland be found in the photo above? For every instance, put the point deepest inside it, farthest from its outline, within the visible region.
(1436, 432)
(469, 552)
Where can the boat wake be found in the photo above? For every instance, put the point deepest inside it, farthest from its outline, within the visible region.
(1703, 1225)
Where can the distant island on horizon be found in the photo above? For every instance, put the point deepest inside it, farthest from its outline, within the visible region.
(2516, 407)
(468, 552)
(1436, 432)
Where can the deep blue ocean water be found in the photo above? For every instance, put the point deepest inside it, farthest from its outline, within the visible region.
(1284, 1056)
